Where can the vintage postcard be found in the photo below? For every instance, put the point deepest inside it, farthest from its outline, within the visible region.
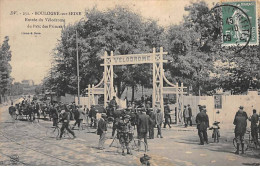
(129, 83)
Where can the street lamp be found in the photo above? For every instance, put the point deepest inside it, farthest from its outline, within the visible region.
(77, 66)
(77, 49)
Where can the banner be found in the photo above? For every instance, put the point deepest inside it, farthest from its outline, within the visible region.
(218, 101)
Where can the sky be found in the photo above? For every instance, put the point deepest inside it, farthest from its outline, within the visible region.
(31, 54)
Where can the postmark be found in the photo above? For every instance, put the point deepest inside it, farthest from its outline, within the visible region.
(239, 23)
(239, 26)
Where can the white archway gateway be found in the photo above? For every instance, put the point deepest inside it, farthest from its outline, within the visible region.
(106, 85)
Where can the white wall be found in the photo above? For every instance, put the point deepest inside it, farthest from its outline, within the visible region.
(230, 105)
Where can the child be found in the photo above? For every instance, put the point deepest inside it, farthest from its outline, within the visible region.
(215, 127)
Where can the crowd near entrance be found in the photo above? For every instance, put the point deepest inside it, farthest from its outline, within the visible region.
(106, 85)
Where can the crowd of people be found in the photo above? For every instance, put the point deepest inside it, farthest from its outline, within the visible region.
(140, 117)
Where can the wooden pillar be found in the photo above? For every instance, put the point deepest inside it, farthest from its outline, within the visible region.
(105, 79)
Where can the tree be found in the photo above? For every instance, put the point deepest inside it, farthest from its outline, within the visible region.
(5, 67)
(119, 30)
(191, 48)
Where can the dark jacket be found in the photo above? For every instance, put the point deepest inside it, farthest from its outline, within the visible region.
(65, 117)
(12, 109)
(143, 123)
(202, 120)
(190, 111)
(240, 121)
(102, 126)
(254, 120)
(152, 119)
(54, 113)
(92, 112)
(167, 111)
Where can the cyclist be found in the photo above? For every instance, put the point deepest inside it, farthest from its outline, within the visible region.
(125, 133)
(65, 119)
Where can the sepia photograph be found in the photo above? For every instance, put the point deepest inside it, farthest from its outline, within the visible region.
(129, 83)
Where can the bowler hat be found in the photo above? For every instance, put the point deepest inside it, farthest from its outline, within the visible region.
(241, 107)
(103, 115)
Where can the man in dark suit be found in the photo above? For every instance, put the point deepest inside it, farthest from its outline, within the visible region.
(254, 128)
(151, 123)
(65, 119)
(190, 115)
(202, 121)
(167, 116)
(240, 122)
(143, 126)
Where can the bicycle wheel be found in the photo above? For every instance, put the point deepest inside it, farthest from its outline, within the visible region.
(235, 143)
(139, 145)
(249, 145)
(53, 132)
(67, 134)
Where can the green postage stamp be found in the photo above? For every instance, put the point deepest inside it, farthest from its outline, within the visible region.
(240, 23)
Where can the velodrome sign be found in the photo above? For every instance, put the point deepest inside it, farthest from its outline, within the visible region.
(133, 59)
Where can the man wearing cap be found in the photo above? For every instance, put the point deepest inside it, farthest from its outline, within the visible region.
(240, 121)
(254, 121)
(102, 130)
(202, 121)
(125, 133)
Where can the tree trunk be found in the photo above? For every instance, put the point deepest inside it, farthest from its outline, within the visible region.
(133, 93)
(118, 85)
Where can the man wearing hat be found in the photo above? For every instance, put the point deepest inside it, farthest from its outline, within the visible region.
(254, 128)
(186, 115)
(240, 121)
(202, 121)
(125, 133)
(151, 123)
(143, 126)
(167, 115)
(92, 115)
(113, 104)
(102, 130)
(65, 119)
(158, 120)
(190, 115)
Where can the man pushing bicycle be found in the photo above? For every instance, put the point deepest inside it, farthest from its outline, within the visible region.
(65, 119)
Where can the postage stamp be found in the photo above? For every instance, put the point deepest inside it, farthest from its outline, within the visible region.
(239, 23)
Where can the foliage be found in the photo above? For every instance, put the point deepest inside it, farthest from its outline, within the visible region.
(193, 46)
(118, 30)
(5, 67)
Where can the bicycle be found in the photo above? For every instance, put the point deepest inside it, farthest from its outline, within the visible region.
(54, 132)
(249, 143)
(135, 144)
